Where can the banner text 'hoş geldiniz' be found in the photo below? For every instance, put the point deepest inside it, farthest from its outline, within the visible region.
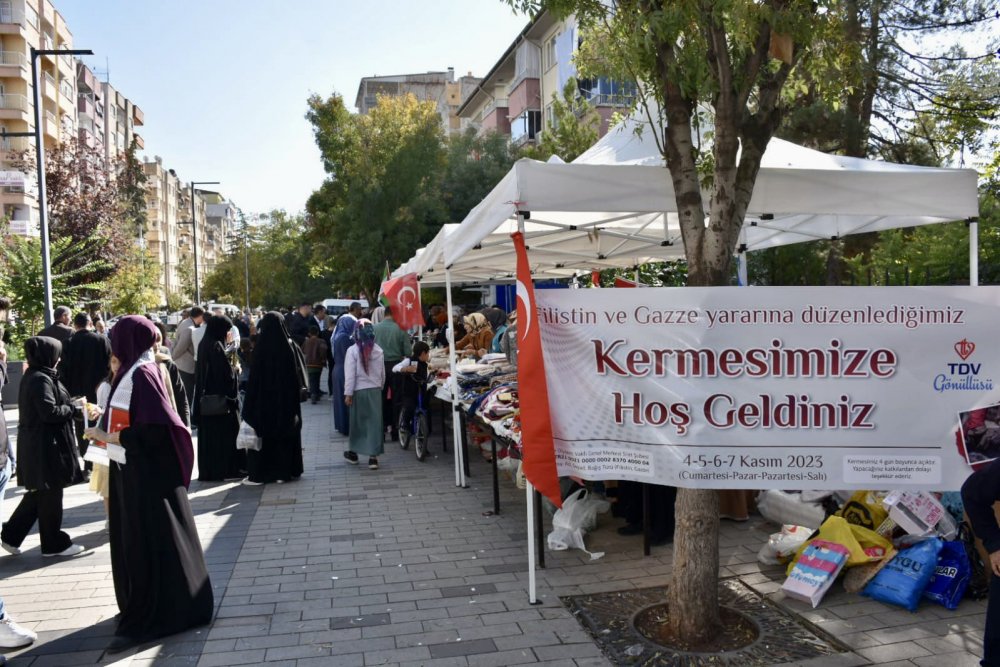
(789, 388)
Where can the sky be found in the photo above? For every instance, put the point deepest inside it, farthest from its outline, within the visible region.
(223, 83)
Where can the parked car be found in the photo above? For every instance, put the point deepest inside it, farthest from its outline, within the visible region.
(339, 306)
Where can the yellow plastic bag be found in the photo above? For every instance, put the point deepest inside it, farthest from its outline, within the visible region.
(864, 509)
(865, 546)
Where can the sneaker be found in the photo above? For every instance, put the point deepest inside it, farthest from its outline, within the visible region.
(249, 482)
(71, 550)
(13, 551)
(351, 457)
(372, 463)
(13, 635)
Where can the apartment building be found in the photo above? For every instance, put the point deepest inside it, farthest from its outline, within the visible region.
(90, 108)
(27, 24)
(515, 97)
(220, 221)
(163, 234)
(120, 121)
(439, 87)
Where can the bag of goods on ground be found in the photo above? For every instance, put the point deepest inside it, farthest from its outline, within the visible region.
(783, 507)
(864, 508)
(951, 575)
(577, 515)
(815, 571)
(782, 546)
(863, 545)
(920, 513)
(904, 579)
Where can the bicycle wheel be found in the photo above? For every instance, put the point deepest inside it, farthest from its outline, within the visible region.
(421, 436)
(404, 434)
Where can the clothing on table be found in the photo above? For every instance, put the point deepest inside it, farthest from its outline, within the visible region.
(218, 458)
(364, 385)
(47, 459)
(343, 339)
(979, 493)
(272, 406)
(160, 576)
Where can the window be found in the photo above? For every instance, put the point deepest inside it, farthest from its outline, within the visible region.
(607, 92)
(550, 51)
(551, 122)
(526, 126)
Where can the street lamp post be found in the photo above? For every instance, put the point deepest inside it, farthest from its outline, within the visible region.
(194, 234)
(43, 220)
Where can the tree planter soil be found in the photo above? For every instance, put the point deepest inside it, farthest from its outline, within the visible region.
(736, 632)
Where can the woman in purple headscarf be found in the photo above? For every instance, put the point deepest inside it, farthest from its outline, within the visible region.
(160, 576)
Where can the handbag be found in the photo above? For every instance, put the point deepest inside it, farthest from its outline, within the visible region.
(214, 405)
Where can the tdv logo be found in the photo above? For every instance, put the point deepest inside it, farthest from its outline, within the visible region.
(964, 349)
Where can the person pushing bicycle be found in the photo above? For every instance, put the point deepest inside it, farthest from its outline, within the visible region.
(415, 366)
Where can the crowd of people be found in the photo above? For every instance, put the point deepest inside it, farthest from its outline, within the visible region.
(133, 397)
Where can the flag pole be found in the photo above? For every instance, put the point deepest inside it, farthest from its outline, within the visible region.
(529, 491)
(456, 425)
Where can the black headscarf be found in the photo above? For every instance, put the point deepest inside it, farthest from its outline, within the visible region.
(42, 354)
(271, 405)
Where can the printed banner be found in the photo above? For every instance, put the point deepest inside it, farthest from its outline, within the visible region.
(782, 388)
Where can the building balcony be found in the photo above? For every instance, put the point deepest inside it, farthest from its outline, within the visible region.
(495, 104)
(86, 137)
(13, 21)
(12, 195)
(85, 106)
(13, 64)
(85, 79)
(15, 145)
(51, 125)
(137, 116)
(49, 87)
(67, 66)
(14, 107)
(68, 92)
(139, 141)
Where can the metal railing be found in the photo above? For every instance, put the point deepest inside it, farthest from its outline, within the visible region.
(611, 99)
(14, 144)
(51, 118)
(15, 58)
(66, 88)
(18, 102)
(49, 79)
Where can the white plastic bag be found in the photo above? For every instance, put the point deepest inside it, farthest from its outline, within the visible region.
(783, 508)
(247, 438)
(782, 546)
(577, 515)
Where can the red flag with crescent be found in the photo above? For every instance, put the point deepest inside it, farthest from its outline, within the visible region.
(538, 448)
(403, 295)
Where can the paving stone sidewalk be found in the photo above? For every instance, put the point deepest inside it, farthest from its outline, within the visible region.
(355, 567)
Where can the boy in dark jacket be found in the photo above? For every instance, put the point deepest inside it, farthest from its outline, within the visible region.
(414, 372)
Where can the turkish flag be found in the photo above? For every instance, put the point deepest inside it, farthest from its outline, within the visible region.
(403, 295)
(625, 282)
(538, 448)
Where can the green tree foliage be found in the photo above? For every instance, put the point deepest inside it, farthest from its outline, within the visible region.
(277, 249)
(23, 282)
(381, 196)
(130, 181)
(135, 287)
(475, 164)
(574, 130)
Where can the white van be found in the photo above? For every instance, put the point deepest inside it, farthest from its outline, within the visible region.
(228, 309)
(339, 306)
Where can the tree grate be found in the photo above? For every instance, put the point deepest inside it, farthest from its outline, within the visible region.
(783, 637)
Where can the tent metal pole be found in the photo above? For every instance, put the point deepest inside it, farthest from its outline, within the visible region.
(529, 491)
(973, 253)
(453, 384)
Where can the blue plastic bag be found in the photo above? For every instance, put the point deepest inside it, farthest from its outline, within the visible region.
(904, 579)
(951, 575)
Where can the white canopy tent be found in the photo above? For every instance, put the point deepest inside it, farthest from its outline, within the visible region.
(615, 206)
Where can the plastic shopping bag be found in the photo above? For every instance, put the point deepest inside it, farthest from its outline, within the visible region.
(577, 515)
(864, 546)
(815, 572)
(864, 509)
(782, 546)
(247, 438)
(951, 575)
(904, 579)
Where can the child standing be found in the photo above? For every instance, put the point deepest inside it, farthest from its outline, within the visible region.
(314, 348)
(415, 366)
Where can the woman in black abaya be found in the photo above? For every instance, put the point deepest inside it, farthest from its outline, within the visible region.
(218, 458)
(272, 405)
(161, 581)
